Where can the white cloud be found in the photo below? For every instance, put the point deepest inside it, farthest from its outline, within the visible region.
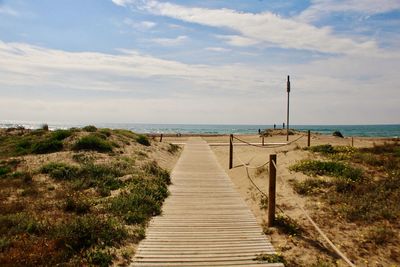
(31, 66)
(347, 89)
(170, 41)
(266, 27)
(8, 11)
(321, 8)
(237, 40)
(142, 25)
(218, 49)
(122, 2)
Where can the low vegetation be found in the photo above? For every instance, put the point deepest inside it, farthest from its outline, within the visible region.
(81, 204)
(94, 143)
(270, 258)
(353, 191)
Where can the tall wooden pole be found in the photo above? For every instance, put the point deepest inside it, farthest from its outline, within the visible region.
(272, 190)
(308, 138)
(231, 151)
(287, 114)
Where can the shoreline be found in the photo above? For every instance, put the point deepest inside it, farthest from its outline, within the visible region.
(384, 130)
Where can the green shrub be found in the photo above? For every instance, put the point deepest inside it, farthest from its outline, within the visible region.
(325, 149)
(76, 204)
(17, 223)
(106, 132)
(47, 146)
(143, 201)
(271, 258)
(287, 225)
(83, 158)
(99, 258)
(61, 134)
(23, 146)
(135, 207)
(331, 168)
(60, 171)
(89, 128)
(155, 170)
(143, 140)
(4, 170)
(93, 142)
(89, 230)
(125, 133)
(310, 186)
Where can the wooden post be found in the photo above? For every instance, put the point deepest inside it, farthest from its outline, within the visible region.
(352, 141)
(231, 151)
(161, 136)
(309, 138)
(272, 190)
(263, 140)
(287, 115)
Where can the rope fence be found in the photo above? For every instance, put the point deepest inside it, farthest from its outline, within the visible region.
(231, 145)
(272, 170)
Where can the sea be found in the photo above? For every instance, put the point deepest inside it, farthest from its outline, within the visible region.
(383, 130)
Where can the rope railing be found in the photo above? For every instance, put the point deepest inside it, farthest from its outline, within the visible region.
(231, 144)
(269, 145)
(247, 165)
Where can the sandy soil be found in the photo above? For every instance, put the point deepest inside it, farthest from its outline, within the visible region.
(309, 248)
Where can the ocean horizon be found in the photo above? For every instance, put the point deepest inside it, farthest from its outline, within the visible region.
(376, 130)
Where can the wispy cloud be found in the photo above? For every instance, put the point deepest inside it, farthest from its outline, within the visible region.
(263, 27)
(32, 66)
(237, 40)
(218, 49)
(142, 25)
(8, 11)
(319, 9)
(122, 2)
(170, 91)
(170, 41)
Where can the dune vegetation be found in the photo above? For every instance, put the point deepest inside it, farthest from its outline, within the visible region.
(78, 196)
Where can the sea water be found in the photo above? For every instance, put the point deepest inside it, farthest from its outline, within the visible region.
(384, 130)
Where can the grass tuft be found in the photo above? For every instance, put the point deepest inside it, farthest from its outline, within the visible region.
(310, 186)
(90, 128)
(76, 204)
(60, 171)
(287, 225)
(61, 134)
(86, 231)
(143, 140)
(330, 168)
(94, 143)
(271, 258)
(47, 146)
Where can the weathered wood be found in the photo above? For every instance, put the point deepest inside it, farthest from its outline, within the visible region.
(161, 136)
(272, 190)
(308, 138)
(204, 222)
(231, 151)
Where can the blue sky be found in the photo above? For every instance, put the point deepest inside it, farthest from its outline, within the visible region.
(200, 61)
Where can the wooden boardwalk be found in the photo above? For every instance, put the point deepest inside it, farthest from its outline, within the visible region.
(204, 221)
